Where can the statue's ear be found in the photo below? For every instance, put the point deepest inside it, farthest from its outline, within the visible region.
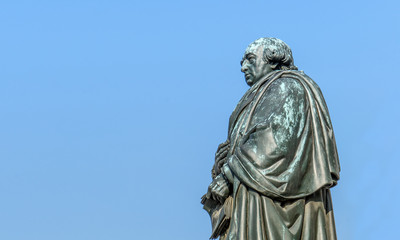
(274, 65)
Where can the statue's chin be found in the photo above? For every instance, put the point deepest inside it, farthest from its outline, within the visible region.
(249, 82)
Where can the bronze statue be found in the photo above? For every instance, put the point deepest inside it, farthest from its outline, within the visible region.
(271, 178)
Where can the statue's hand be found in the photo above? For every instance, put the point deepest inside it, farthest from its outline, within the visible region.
(220, 157)
(218, 189)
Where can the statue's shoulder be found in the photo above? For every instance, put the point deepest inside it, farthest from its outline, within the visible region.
(287, 84)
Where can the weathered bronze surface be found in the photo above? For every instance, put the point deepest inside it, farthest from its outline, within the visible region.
(271, 178)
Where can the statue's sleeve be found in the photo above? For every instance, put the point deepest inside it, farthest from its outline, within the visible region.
(271, 157)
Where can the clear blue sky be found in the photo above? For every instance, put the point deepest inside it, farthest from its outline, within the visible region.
(112, 110)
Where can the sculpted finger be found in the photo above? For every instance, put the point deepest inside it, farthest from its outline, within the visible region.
(221, 161)
(208, 194)
(221, 190)
(211, 187)
(218, 198)
(219, 165)
(221, 154)
(225, 191)
(225, 147)
(222, 146)
(221, 199)
(214, 196)
(215, 188)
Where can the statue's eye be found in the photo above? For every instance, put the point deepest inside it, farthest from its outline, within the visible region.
(252, 60)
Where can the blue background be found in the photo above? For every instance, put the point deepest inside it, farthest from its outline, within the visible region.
(111, 111)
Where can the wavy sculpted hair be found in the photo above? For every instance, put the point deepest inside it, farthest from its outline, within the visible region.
(276, 52)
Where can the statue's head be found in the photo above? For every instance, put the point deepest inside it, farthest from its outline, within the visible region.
(265, 55)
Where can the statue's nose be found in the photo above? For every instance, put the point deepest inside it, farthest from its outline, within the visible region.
(244, 68)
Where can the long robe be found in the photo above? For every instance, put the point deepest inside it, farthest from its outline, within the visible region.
(282, 162)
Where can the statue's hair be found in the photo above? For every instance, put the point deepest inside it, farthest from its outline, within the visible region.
(275, 52)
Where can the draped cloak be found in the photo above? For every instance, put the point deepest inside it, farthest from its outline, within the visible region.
(282, 162)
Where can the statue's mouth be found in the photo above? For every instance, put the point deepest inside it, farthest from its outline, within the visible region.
(247, 76)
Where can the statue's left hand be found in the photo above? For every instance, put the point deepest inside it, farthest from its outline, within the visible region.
(218, 189)
(220, 158)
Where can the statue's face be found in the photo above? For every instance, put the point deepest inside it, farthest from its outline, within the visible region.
(253, 65)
